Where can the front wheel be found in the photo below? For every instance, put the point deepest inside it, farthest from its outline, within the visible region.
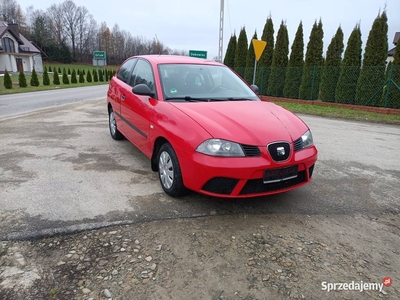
(112, 123)
(169, 172)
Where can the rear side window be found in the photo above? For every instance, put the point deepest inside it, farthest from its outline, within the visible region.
(125, 70)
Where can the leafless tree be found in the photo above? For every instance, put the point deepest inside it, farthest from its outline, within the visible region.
(55, 21)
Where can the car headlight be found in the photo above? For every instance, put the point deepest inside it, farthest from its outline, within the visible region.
(307, 139)
(218, 147)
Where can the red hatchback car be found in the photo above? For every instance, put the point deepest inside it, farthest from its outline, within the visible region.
(206, 130)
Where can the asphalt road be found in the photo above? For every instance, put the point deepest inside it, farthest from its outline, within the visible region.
(60, 171)
(15, 104)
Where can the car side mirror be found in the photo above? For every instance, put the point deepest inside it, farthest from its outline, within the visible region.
(255, 88)
(143, 89)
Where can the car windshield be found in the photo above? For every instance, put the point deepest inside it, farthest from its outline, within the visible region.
(195, 82)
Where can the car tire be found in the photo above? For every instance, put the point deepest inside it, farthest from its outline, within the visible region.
(112, 124)
(169, 172)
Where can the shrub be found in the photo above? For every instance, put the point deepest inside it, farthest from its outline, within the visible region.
(7, 80)
(89, 77)
(81, 78)
(34, 78)
(65, 78)
(22, 79)
(46, 79)
(95, 76)
(73, 77)
(56, 78)
(101, 76)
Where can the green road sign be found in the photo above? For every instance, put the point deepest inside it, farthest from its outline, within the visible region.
(99, 54)
(198, 53)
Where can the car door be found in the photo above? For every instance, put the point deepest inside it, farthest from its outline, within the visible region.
(136, 109)
(118, 85)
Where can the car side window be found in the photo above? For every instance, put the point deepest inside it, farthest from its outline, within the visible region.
(125, 70)
(143, 73)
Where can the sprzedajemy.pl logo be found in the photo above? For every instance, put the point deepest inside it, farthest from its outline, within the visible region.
(356, 286)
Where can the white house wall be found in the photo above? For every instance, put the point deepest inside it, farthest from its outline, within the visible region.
(7, 62)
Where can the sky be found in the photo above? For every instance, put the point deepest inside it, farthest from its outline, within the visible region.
(194, 25)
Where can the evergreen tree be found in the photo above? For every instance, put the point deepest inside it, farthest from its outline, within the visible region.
(229, 59)
(73, 77)
(69, 71)
(276, 81)
(106, 75)
(89, 77)
(46, 79)
(7, 80)
(59, 69)
(83, 72)
(241, 53)
(295, 66)
(65, 78)
(251, 57)
(95, 76)
(350, 69)
(373, 69)
(34, 78)
(101, 76)
(265, 62)
(312, 73)
(56, 78)
(81, 77)
(50, 70)
(22, 79)
(331, 71)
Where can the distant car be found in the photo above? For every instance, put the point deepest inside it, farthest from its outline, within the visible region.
(206, 130)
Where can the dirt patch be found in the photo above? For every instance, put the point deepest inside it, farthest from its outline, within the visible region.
(231, 257)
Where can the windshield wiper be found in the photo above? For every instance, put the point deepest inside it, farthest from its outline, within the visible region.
(190, 99)
(239, 99)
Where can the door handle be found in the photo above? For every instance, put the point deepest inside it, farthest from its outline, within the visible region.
(123, 97)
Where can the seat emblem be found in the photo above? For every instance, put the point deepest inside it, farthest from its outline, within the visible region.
(280, 151)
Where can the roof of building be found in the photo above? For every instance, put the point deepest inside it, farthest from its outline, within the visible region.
(22, 41)
(396, 37)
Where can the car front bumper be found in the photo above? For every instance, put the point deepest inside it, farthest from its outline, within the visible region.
(242, 177)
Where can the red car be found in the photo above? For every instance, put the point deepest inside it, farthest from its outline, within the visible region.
(206, 130)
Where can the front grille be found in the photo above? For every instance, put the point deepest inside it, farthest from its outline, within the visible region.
(257, 186)
(298, 144)
(251, 150)
(273, 151)
(220, 185)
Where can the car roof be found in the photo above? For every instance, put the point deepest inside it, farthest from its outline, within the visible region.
(177, 59)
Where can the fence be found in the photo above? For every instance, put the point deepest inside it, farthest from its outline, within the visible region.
(370, 86)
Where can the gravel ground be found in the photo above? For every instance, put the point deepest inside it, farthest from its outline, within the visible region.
(219, 257)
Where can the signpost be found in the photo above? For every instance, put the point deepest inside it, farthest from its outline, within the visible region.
(259, 47)
(99, 59)
(198, 53)
(99, 55)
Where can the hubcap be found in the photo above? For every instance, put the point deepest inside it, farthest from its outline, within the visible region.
(113, 125)
(166, 170)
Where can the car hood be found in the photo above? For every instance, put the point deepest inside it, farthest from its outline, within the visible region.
(246, 122)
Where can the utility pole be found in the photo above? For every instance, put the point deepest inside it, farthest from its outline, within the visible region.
(221, 31)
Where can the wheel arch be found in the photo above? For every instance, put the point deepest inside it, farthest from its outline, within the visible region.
(109, 107)
(157, 145)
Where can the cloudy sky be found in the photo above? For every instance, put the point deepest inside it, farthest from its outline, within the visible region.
(194, 24)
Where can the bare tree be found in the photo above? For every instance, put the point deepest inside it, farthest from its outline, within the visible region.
(71, 14)
(82, 26)
(55, 21)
